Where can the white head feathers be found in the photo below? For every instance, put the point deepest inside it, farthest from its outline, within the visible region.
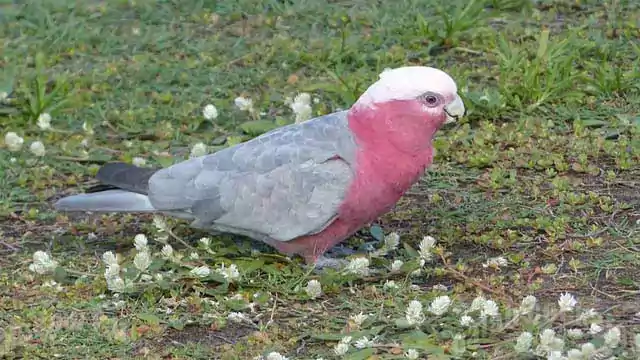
(406, 83)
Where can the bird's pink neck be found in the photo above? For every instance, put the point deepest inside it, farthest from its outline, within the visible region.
(399, 128)
(394, 148)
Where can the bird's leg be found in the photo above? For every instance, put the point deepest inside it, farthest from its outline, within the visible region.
(323, 262)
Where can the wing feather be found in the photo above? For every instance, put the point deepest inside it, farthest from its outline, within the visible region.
(281, 185)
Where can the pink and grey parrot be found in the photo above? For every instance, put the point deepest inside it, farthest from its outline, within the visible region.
(301, 188)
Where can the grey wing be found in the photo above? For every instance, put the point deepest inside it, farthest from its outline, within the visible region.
(288, 202)
(282, 185)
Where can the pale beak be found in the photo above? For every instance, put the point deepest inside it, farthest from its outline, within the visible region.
(454, 110)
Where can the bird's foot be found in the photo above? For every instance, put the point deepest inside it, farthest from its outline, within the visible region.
(343, 251)
(324, 262)
(369, 246)
(340, 250)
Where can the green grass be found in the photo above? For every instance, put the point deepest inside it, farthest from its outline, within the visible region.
(544, 171)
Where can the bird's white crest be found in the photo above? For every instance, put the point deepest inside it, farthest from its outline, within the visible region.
(409, 82)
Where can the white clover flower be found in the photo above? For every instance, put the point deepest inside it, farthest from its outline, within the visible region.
(142, 260)
(343, 346)
(87, 128)
(412, 354)
(230, 273)
(523, 343)
(358, 319)
(363, 342)
(210, 112)
(396, 265)
(244, 104)
(140, 242)
(44, 121)
(612, 338)
(391, 241)
(574, 354)
(490, 308)
(138, 161)
(594, 329)
(527, 305)
(115, 284)
(53, 285)
(236, 317)
(159, 223)
(276, 356)
(477, 304)
(3, 97)
(205, 241)
(466, 320)
(42, 263)
(341, 349)
(13, 141)
(390, 285)
(588, 315)
(314, 288)
(414, 314)
(112, 270)
(109, 258)
(201, 271)
(574, 333)
(425, 247)
(549, 342)
(358, 266)
(194, 256)
(567, 302)
(301, 107)
(587, 349)
(496, 262)
(167, 251)
(556, 355)
(37, 148)
(199, 149)
(84, 143)
(440, 305)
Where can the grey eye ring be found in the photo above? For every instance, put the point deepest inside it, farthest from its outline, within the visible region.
(431, 100)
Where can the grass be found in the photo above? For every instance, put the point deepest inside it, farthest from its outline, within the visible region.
(543, 172)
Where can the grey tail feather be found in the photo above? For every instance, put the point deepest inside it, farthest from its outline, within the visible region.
(123, 176)
(123, 188)
(106, 201)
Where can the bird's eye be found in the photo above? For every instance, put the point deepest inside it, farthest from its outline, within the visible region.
(431, 100)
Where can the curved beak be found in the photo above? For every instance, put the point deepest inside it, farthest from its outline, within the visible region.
(454, 110)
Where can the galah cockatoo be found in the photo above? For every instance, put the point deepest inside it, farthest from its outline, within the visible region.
(301, 188)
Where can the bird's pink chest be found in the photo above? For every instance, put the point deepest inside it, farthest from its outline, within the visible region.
(379, 183)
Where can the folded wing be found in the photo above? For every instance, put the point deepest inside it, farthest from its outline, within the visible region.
(282, 185)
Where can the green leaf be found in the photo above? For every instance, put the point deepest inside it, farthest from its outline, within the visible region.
(421, 341)
(543, 44)
(402, 323)
(257, 127)
(177, 324)
(61, 276)
(355, 335)
(361, 354)
(250, 266)
(150, 319)
(410, 251)
(594, 123)
(376, 232)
